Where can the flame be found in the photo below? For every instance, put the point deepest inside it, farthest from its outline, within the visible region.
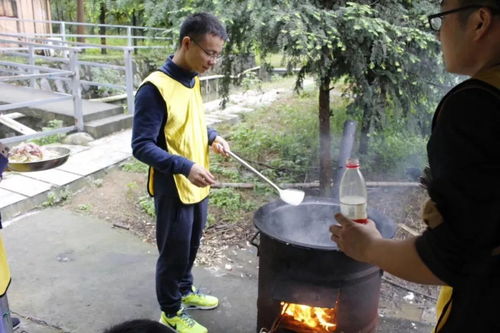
(313, 317)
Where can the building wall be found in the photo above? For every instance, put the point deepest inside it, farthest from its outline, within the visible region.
(25, 9)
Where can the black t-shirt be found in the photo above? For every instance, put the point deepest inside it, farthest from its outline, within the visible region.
(464, 160)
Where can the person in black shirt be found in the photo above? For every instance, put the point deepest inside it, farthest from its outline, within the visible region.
(460, 249)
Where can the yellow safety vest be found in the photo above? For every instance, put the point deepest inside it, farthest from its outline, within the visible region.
(4, 270)
(185, 131)
(491, 76)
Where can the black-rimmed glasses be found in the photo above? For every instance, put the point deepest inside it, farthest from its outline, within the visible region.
(436, 20)
(212, 55)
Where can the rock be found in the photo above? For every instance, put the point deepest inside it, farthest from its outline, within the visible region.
(80, 138)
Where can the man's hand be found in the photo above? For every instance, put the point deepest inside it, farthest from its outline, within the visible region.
(354, 239)
(220, 146)
(200, 176)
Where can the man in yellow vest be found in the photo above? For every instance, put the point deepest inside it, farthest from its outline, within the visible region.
(170, 135)
(460, 250)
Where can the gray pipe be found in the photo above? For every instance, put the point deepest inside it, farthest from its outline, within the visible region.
(345, 152)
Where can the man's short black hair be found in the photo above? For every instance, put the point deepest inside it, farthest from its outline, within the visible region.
(139, 326)
(494, 4)
(489, 3)
(199, 24)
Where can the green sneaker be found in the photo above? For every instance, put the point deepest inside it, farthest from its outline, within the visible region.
(182, 323)
(197, 300)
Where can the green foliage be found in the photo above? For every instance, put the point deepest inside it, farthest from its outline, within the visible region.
(231, 202)
(279, 141)
(147, 204)
(84, 207)
(210, 220)
(282, 138)
(118, 12)
(220, 170)
(251, 81)
(134, 165)
(383, 51)
(393, 153)
(387, 59)
(56, 197)
(52, 124)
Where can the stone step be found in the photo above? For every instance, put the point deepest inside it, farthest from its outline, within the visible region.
(105, 126)
(63, 110)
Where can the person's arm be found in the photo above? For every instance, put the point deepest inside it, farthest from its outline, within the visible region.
(400, 258)
(150, 112)
(363, 242)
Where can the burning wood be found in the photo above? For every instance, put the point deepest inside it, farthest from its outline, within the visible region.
(304, 318)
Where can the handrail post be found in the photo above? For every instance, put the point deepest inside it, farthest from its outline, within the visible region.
(76, 89)
(129, 79)
(129, 36)
(62, 31)
(31, 62)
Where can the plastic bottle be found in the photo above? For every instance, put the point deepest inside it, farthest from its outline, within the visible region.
(352, 193)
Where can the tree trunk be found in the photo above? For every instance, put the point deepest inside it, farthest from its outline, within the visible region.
(59, 13)
(102, 29)
(80, 17)
(325, 141)
(134, 23)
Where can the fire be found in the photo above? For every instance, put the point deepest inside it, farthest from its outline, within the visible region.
(313, 317)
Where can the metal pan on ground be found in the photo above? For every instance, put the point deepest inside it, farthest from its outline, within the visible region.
(61, 156)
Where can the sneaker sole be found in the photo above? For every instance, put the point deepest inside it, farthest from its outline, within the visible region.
(196, 307)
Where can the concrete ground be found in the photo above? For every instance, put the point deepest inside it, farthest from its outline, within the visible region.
(74, 273)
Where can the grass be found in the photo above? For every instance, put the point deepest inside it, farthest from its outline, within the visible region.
(147, 205)
(56, 138)
(134, 165)
(56, 197)
(278, 140)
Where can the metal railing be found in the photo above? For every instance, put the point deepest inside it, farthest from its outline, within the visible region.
(66, 36)
(60, 49)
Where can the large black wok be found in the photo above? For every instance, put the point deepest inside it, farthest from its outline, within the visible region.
(307, 225)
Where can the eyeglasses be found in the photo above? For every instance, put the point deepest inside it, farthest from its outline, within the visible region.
(212, 55)
(436, 20)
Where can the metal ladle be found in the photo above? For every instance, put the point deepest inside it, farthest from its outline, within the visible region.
(290, 196)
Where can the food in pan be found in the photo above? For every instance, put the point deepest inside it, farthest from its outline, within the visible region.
(30, 152)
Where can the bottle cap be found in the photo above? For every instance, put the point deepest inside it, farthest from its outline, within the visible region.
(352, 163)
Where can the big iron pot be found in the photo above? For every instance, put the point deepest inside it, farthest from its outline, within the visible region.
(298, 263)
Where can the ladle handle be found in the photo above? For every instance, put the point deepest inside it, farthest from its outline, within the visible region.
(254, 170)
